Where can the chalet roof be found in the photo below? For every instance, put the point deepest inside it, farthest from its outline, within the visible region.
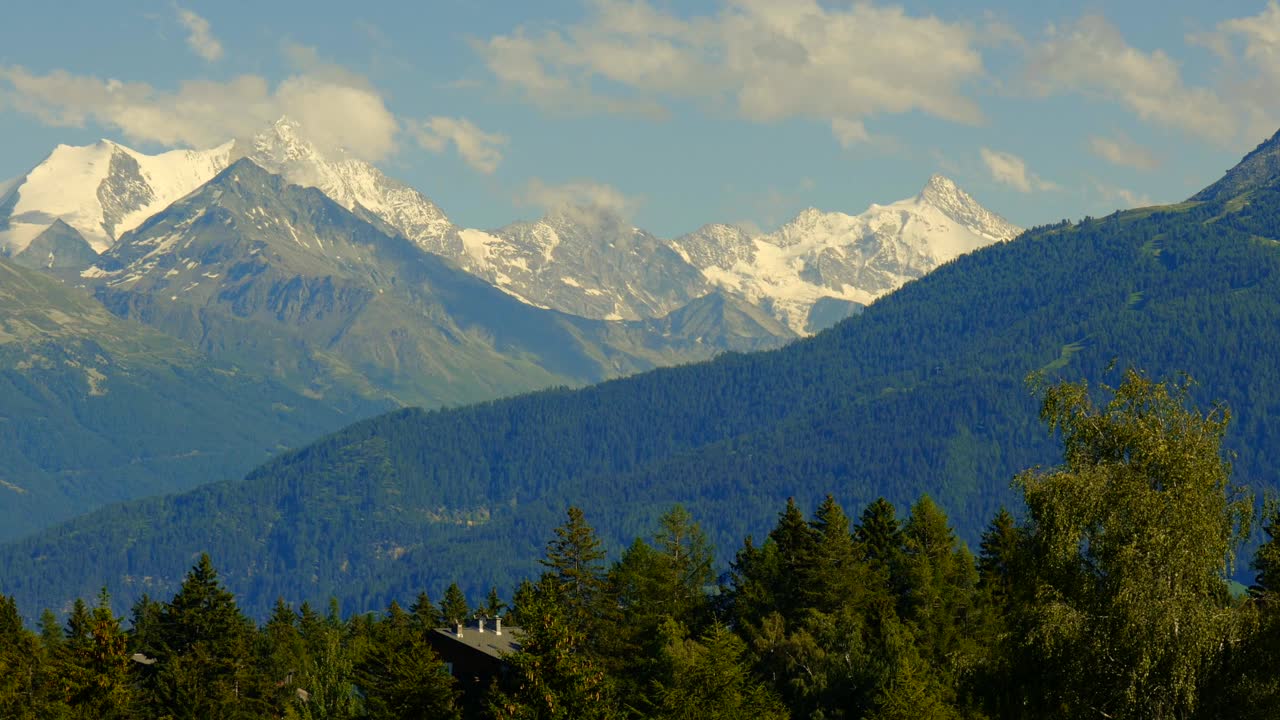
(486, 642)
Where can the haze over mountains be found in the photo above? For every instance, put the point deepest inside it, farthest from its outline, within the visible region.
(922, 393)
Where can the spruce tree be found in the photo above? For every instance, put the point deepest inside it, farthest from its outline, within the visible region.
(879, 534)
(20, 668)
(401, 676)
(204, 653)
(575, 561)
(493, 605)
(453, 608)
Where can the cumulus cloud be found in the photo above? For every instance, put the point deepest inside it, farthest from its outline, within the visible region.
(1250, 50)
(479, 149)
(1108, 196)
(587, 201)
(766, 61)
(1093, 58)
(199, 36)
(849, 132)
(1123, 152)
(1009, 169)
(336, 112)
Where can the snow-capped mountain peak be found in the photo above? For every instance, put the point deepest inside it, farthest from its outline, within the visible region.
(101, 190)
(852, 258)
(942, 193)
(283, 149)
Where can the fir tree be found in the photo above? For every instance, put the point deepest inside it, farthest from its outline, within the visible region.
(453, 608)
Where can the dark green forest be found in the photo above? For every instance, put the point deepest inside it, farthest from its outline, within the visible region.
(1107, 598)
(923, 393)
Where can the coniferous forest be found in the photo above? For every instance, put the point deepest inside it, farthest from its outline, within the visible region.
(1107, 598)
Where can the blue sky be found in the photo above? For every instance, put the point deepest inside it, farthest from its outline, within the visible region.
(679, 113)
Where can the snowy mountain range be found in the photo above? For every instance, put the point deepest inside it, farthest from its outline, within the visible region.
(812, 271)
(854, 258)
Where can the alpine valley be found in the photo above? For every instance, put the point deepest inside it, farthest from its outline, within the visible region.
(923, 392)
(269, 262)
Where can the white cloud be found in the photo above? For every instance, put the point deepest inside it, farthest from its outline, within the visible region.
(199, 36)
(849, 132)
(336, 111)
(1009, 169)
(764, 60)
(1249, 48)
(479, 149)
(1092, 57)
(589, 202)
(1124, 152)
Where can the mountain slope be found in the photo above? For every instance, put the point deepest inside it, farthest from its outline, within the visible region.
(924, 392)
(95, 409)
(283, 280)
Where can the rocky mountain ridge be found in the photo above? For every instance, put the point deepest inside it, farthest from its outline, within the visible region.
(585, 261)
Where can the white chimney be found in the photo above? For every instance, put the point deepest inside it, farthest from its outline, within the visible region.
(481, 619)
(459, 629)
(497, 625)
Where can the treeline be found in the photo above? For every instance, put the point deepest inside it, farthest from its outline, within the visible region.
(1109, 599)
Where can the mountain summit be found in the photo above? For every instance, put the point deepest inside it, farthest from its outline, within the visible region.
(850, 258)
(943, 193)
(106, 189)
(1260, 168)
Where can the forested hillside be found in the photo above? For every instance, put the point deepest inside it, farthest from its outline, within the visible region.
(88, 404)
(1109, 599)
(922, 393)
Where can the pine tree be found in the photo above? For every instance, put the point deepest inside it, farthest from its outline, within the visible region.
(425, 612)
(997, 561)
(20, 667)
(493, 605)
(575, 561)
(95, 664)
(401, 676)
(838, 578)
(283, 654)
(879, 534)
(1266, 561)
(453, 608)
(554, 675)
(710, 678)
(204, 653)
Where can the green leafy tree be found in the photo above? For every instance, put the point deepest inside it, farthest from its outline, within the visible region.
(1130, 539)
(327, 680)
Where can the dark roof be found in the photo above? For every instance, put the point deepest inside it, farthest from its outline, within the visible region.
(486, 642)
